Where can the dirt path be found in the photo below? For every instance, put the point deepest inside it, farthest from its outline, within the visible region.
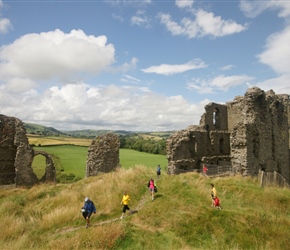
(139, 206)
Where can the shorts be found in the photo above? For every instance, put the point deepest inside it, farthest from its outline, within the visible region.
(125, 208)
(158, 173)
(87, 214)
(151, 189)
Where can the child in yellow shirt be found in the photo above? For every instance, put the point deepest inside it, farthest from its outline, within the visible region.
(125, 201)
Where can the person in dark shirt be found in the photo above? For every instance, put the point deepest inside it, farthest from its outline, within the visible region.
(158, 171)
(87, 210)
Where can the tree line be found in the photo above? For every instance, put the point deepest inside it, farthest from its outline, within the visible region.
(144, 145)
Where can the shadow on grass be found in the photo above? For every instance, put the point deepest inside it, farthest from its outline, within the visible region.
(156, 196)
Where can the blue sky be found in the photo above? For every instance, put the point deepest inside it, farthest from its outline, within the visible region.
(137, 65)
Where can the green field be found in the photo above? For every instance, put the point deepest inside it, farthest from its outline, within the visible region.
(72, 159)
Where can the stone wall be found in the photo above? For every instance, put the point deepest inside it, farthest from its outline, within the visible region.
(16, 156)
(103, 154)
(50, 171)
(215, 117)
(261, 140)
(250, 133)
(207, 143)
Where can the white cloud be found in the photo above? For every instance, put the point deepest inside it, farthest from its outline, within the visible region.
(118, 17)
(221, 83)
(277, 52)
(227, 67)
(129, 2)
(18, 85)
(81, 106)
(256, 7)
(225, 82)
(279, 85)
(214, 25)
(199, 87)
(126, 66)
(184, 3)
(205, 24)
(140, 19)
(5, 25)
(130, 79)
(55, 54)
(167, 69)
(171, 26)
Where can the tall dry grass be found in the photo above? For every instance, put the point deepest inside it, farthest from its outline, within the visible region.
(180, 217)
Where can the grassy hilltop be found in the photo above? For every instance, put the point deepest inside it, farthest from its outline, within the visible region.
(48, 216)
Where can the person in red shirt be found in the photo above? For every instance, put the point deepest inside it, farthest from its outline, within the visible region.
(151, 186)
(204, 169)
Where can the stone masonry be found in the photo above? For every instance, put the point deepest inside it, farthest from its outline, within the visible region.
(50, 172)
(16, 155)
(207, 143)
(103, 154)
(259, 128)
(251, 133)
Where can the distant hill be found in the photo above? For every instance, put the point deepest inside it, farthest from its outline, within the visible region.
(91, 133)
(42, 130)
(36, 129)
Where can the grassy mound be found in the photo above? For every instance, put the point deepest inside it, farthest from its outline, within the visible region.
(48, 216)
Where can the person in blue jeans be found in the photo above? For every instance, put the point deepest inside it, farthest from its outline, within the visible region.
(158, 170)
(87, 210)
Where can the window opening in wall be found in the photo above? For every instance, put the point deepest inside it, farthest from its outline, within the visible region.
(192, 146)
(206, 127)
(39, 165)
(215, 117)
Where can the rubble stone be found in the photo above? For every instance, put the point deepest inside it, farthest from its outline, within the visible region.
(250, 133)
(103, 154)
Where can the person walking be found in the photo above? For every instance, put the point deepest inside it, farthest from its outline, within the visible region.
(214, 198)
(204, 169)
(213, 194)
(87, 210)
(151, 186)
(125, 201)
(158, 171)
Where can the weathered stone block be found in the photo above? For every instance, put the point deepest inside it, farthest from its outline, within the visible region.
(103, 154)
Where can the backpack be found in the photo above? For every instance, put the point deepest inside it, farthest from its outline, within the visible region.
(216, 202)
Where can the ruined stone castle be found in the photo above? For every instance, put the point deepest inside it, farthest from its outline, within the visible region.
(16, 156)
(250, 133)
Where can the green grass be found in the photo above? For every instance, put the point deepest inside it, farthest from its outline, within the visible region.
(130, 158)
(72, 159)
(47, 217)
